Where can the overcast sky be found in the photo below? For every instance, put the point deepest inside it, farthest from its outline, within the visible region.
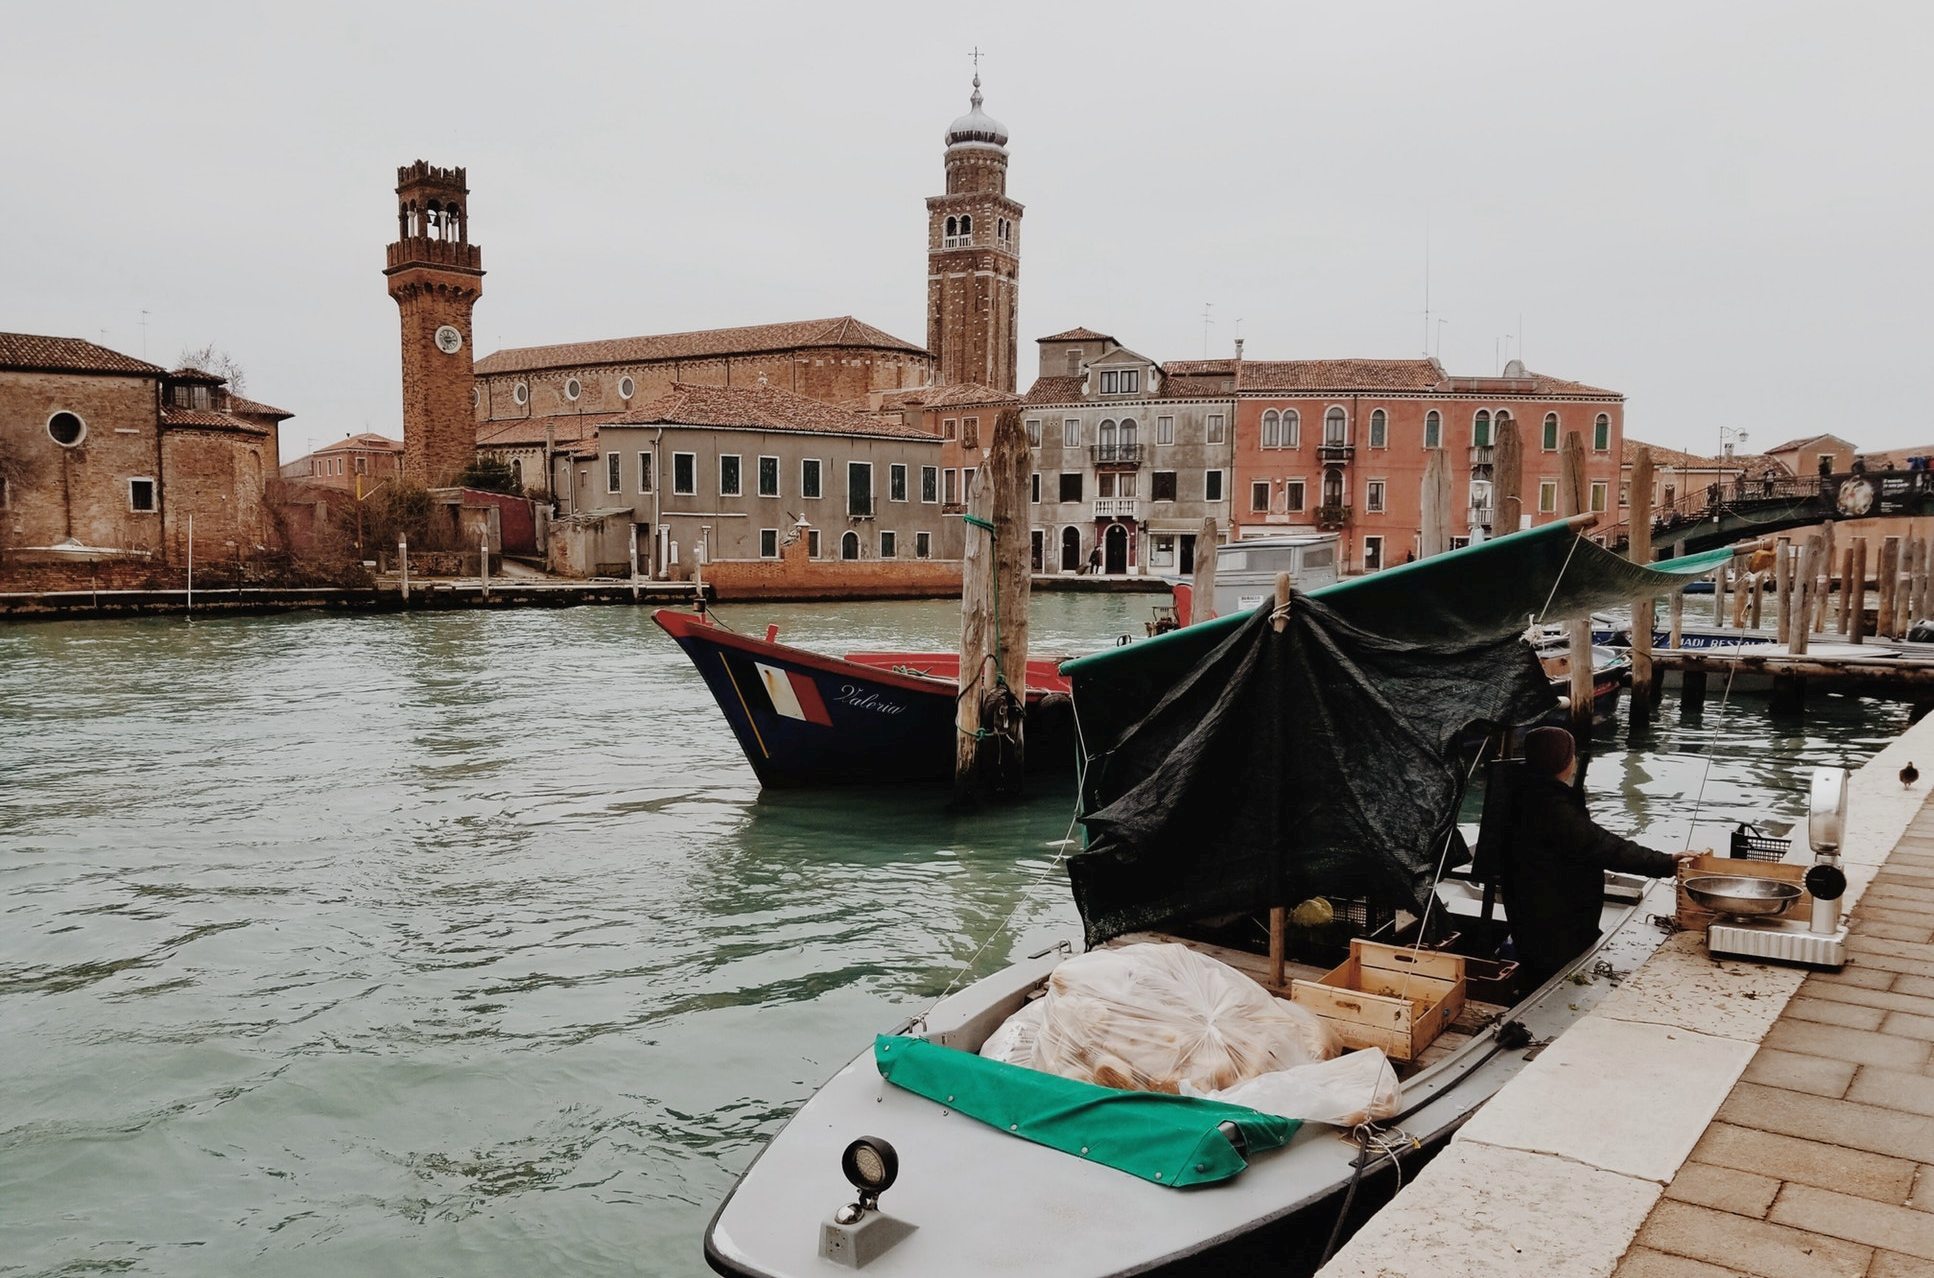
(1721, 210)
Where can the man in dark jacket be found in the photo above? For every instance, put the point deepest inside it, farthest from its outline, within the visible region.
(1553, 871)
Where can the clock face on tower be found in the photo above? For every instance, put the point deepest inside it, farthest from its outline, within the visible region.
(449, 340)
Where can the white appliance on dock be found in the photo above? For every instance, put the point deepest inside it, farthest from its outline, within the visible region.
(1246, 570)
(1744, 926)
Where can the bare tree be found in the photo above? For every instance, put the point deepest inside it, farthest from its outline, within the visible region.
(213, 359)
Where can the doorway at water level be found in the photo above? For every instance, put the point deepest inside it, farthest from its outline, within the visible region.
(1114, 550)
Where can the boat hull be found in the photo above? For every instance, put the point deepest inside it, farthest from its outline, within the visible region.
(985, 1203)
(807, 720)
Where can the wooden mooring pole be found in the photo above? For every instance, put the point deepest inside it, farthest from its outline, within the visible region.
(1578, 633)
(1433, 537)
(990, 750)
(1202, 606)
(1278, 912)
(1783, 587)
(1889, 582)
(1507, 480)
(1638, 548)
(1857, 583)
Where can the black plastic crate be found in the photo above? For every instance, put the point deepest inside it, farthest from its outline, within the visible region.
(1750, 845)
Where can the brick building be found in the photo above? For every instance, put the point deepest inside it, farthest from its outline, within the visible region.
(435, 276)
(974, 256)
(103, 452)
(738, 471)
(1127, 460)
(357, 463)
(1341, 444)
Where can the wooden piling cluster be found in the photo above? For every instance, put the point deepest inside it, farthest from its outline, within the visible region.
(1639, 551)
(1820, 589)
(995, 580)
(1578, 633)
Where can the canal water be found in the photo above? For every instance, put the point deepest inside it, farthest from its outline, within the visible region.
(464, 943)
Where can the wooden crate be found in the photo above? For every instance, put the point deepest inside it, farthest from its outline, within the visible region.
(1693, 916)
(1387, 996)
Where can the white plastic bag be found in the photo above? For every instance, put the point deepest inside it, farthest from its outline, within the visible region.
(1354, 1088)
(1014, 1042)
(1159, 1017)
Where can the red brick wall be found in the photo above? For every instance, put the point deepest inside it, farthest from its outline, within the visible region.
(795, 575)
(1400, 464)
(439, 424)
(219, 477)
(80, 491)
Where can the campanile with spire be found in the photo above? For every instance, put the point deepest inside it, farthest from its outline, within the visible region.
(974, 256)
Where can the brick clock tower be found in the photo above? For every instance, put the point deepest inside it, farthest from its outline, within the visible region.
(974, 256)
(436, 276)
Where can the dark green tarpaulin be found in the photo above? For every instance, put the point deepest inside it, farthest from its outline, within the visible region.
(1166, 1140)
(1486, 591)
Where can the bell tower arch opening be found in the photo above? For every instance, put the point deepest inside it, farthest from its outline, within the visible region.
(435, 275)
(974, 256)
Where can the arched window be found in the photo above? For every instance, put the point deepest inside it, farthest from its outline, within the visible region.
(1433, 429)
(434, 220)
(1292, 435)
(1551, 432)
(1272, 427)
(517, 472)
(953, 227)
(966, 226)
(1106, 436)
(1602, 434)
(1128, 429)
(1334, 427)
(1379, 429)
(1481, 429)
(849, 546)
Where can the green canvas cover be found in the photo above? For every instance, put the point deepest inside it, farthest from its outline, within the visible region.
(1165, 1140)
(1494, 588)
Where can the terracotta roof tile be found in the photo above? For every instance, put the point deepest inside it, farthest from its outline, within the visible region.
(1053, 390)
(200, 376)
(1198, 367)
(840, 331)
(205, 419)
(566, 428)
(253, 408)
(368, 441)
(1805, 441)
(68, 355)
(962, 395)
(758, 408)
(1339, 374)
(1077, 335)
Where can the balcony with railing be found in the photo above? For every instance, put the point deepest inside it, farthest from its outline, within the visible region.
(1118, 508)
(1335, 452)
(1129, 454)
(1482, 454)
(1332, 517)
(1481, 515)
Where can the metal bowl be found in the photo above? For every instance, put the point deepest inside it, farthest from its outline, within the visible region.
(1740, 895)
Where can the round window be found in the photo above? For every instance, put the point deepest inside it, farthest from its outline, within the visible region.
(66, 429)
(476, 396)
(573, 388)
(521, 392)
(626, 388)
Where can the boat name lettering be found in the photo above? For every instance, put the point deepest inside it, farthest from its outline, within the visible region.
(860, 699)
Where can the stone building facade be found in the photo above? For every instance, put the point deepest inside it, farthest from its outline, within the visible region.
(1342, 445)
(103, 453)
(1127, 461)
(739, 472)
(435, 276)
(358, 463)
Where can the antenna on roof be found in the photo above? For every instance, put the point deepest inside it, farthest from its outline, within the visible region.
(1426, 281)
(1207, 309)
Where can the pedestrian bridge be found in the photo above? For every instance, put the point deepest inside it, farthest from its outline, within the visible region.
(1729, 513)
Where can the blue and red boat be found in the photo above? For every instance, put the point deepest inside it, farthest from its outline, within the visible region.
(805, 719)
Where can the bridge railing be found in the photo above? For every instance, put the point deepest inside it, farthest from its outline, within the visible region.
(1743, 493)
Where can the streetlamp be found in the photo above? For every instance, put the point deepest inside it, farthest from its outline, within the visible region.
(1729, 437)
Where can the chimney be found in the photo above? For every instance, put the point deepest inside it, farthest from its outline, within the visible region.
(1238, 348)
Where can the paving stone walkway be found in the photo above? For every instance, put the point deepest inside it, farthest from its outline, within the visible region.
(1820, 1163)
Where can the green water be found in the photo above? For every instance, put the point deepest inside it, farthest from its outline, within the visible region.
(464, 943)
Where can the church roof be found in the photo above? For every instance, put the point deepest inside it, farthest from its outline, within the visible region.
(68, 355)
(976, 126)
(254, 408)
(757, 408)
(1077, 334)
(752, 339)
(208, 419)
